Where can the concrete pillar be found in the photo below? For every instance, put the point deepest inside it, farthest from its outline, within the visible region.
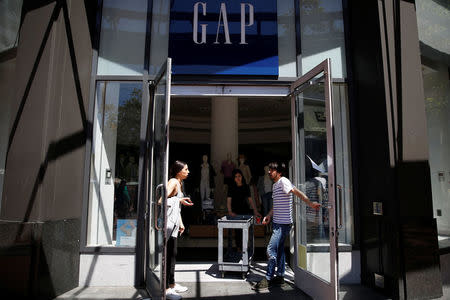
(224, 139)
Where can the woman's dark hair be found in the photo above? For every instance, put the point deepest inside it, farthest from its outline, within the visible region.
(238, 171)
(176, 167)
(279, 167)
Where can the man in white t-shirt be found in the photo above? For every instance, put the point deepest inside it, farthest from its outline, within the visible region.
(281, 212)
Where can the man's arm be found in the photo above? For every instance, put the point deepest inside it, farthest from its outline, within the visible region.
(305, 198)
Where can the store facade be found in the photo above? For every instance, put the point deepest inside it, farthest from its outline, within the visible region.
(113, 92)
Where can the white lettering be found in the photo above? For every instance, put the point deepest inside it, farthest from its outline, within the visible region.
(223, 14)
(250, 19)
(195, 27)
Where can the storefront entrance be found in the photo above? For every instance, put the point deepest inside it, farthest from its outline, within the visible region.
(296, 127)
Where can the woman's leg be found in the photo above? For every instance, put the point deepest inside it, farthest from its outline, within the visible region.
(171, 260)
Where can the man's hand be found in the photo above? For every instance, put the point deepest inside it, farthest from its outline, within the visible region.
(266, 220)
(315, 205)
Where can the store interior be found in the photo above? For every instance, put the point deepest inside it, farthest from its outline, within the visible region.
(263, 134)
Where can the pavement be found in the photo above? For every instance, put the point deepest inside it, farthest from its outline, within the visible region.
(205, 282)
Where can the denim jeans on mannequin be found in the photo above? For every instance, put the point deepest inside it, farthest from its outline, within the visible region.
(275, 250)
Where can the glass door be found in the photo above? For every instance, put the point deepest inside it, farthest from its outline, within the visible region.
(316, 265)
(156, 174)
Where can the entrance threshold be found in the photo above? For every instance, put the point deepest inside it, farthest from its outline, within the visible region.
(205, 281)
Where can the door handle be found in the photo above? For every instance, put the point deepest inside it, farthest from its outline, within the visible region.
(160, 186)
(339, 187)
(108, 176)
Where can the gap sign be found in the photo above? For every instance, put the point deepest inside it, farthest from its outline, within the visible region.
(219, 37)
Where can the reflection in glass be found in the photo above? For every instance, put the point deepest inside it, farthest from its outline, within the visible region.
(314, 233)
(122, 37)
(322, 35)
(9, 24)
(114, 168)
(286, 38)
(433, 21)
(160, 35)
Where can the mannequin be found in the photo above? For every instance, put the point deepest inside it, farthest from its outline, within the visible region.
(207, 174)
(227, 169)
(265, 190)
(244, 168)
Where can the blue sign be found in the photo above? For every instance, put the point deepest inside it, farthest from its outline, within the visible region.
(126, 232)
(217, 37)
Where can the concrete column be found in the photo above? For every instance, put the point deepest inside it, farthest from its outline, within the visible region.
(224, 139)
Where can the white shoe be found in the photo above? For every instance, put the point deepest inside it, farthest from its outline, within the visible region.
(172, 295)
(179, 288)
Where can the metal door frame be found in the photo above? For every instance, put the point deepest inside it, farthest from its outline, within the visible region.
(148, 174)
(305, 280)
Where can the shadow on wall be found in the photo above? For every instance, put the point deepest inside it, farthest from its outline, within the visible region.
(43, 262)
(41, 259)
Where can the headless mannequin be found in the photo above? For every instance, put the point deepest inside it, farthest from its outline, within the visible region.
(204, 179)
(245, 169)
(227, 168)
(265, 190)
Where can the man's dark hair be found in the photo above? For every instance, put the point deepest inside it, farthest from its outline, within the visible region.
(279, 167)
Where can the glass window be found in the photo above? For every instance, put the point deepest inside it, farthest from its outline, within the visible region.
(434, 36)
(122, 37)
(322, 35)
(10, 11)
(114, 164)
(160, 35)
(286, 38)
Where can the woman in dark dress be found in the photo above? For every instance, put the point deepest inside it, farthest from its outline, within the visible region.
(237, 202)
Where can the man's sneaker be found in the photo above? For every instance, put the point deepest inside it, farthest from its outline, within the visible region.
(172, 295)
(179, 288)
(277, 280)
(263, 284)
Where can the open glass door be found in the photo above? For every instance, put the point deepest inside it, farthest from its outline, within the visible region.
(316, 265)
(156, 174)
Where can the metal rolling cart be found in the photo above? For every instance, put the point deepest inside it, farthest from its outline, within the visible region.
(240, 262)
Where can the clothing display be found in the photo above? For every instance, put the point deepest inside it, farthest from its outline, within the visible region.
(207, 184)
(264, 186)
(246, 172)
(227, 169)
(207, 175)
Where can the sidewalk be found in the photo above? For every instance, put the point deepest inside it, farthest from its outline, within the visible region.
(205, 282)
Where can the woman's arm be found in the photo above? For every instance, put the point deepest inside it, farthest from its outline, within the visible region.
(252, 204)
(171, 189)
(181, 229)
(230, 212)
